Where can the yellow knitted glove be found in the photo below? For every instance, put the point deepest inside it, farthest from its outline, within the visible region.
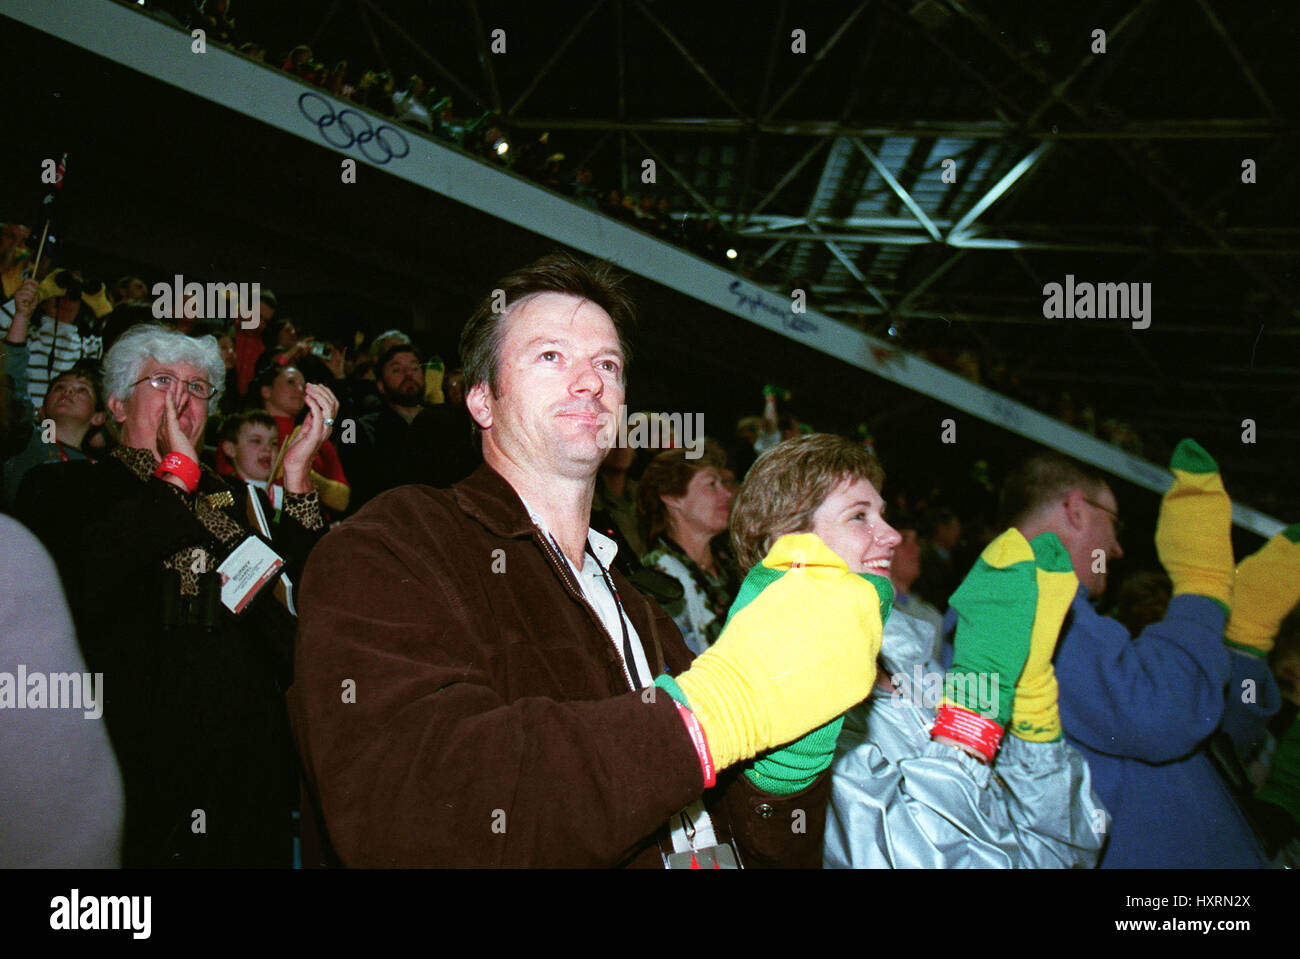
(798, 655)
(1194, 531)
(1035, 715)
(1266, 590)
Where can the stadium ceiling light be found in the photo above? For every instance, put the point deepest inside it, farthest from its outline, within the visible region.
(731, 253)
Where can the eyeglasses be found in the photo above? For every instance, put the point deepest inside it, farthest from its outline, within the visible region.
(162, 382)
(1114, 516)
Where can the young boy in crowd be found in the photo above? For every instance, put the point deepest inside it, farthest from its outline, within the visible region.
(249, 440)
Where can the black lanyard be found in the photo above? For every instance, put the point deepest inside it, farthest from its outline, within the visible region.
(618, 605)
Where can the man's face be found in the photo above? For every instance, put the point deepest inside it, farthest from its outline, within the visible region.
(402, 380)
(705, 506)
(948, 535)
(1094, 518)
(905, 568)
(287, 338)
(71, 398)
(142, 411)
(254, 451)
(560, 382)
(850, 521)
(227, 346)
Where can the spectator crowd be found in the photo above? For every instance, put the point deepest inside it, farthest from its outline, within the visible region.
(353, 607)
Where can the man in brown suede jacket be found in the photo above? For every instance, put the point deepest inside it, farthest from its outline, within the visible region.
(474, 679)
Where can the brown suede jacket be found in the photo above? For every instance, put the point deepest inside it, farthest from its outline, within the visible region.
(458, 703)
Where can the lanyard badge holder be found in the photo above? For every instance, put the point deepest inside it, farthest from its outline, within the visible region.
(716, 856)
(713, 855)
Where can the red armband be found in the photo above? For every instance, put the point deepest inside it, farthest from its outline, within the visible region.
(971, 729)
(700, 743)
(182, 467)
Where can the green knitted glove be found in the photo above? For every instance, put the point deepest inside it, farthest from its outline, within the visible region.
(796, 765)
(995, 621)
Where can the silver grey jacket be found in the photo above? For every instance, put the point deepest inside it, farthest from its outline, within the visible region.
(900, 800)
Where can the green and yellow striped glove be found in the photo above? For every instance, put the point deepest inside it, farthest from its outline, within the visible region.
(797, 652)
(1194, 531)
(1035, 716)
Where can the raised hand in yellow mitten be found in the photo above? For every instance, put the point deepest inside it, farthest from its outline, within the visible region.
(1266, 590)
(800, 653)
(1194, 531)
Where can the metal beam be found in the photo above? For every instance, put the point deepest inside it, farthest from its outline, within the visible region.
(554, 58)
(1142, 169)
(949, 262)
(698, 67)
(681, 180)
(996, 191)
(789, 175)
(855, 272)
(1058, 91)
(751, 147)
(902, 194)
(1216, 129)
(817, 59)
(485, 57)
(1242, 64)
(425, 54)
(770, 252)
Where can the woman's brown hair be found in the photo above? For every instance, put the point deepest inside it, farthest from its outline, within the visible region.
(787, 483)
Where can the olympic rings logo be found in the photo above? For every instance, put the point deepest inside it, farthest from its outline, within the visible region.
(344, 136)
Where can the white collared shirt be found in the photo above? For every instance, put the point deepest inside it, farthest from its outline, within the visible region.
(598, 596)
(597, 593)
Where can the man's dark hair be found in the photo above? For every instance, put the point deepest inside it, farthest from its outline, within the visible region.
(593, 280)
(89, 371)
(397, 349)
(267, 297)
(1040, 479)
(123, 283)
(932, 519)
(231, 425)
(903, 521)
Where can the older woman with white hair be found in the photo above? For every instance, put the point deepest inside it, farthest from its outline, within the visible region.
(173, 575)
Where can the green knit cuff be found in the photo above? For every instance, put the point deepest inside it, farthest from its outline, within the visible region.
(1292, 532)
(796, 766)
(669, 685)
(1190, 457)
(1248, 650)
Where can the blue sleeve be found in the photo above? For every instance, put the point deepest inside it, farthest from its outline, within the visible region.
(1251, 700)
(1153, 698)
